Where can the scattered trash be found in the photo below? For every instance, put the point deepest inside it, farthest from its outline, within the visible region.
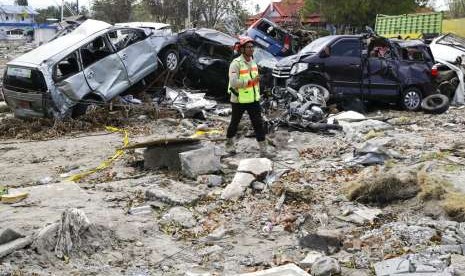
(13, 198)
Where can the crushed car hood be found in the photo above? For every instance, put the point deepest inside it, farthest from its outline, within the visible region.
(448, 47)
(54, 47)
(216, 36)
(288, 61)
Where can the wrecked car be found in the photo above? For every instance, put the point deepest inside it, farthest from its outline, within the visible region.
(361, 67)
(165, 41)
(208, 54)
(448, 47)
(95, 62)
(273, 38)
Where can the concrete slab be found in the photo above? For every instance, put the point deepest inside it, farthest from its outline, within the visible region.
(284, 270)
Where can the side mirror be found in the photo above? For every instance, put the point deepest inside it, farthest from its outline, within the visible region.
(326, 52)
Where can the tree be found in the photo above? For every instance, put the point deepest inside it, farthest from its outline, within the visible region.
(55, 12)
(360, 12)
(21, 2)
(113, 11)
(456, 8)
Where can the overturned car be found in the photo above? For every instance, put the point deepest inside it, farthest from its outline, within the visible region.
(95, 62)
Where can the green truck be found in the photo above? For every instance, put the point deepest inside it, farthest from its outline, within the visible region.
(409, 25)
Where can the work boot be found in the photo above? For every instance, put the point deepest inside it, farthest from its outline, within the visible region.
(264, 153)
(230, 147)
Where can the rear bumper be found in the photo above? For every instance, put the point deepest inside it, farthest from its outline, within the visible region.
(26, 104)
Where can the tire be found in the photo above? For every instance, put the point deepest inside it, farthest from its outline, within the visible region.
(447, 88)
(411, 99)
(84, 106)
(435, 104)
(310, 88)
(170, 60)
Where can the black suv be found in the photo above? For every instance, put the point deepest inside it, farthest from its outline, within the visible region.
(367, 68)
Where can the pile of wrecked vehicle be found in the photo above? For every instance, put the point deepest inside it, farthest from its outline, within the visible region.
(97, 62)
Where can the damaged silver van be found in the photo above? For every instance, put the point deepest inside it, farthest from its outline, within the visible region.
(95, 62)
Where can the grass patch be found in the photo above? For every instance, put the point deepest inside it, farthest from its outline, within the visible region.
(432, 187)
(373, 134)
(438, 155)
(383, 187)
(454, 205)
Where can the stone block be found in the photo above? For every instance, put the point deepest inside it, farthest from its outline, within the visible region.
(199, 161)
(393, 266)
(238, 186)
(166, 156)
(259, 167)
(284, 270)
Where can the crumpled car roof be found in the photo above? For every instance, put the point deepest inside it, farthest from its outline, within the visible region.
(216, 36)
(55, 47)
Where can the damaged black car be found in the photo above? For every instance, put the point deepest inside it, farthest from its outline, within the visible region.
(367, 68)
(206, 55)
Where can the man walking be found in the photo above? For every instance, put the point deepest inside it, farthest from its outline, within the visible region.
(244, 87)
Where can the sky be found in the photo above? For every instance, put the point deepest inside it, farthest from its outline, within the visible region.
(440, 4)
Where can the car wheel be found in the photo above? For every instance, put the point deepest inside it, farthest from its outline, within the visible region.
(435, 104)
(313, 90)
(84, 106)
(411, 99)
(171, 60)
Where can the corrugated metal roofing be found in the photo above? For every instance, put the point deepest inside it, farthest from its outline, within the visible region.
(12, 9)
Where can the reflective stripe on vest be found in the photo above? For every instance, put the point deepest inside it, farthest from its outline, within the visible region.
(250, 93)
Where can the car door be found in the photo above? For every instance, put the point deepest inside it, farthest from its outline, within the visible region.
(69, 77)
(380, 76)
(103, 69)
(135, 51)
(344, 67)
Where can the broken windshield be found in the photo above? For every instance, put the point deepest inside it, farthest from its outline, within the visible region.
(453, 40)
(316, 45)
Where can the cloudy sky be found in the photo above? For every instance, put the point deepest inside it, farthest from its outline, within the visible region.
(440, 4)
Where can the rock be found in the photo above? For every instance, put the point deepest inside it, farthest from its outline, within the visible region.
(326, 266)
(9, 235)
(458, 265)
(356, 130)
(299, 191)
(4, 107)
(259, 186)
(141, 210)
(181, 215)
(259, 167)
(284, 270)
(174, 193)
(217, 234)
(10, 247)
(327, 241)
(166, 156)
(210, 250)
(238, 186)
(199, 161)
(210, 180)
(46, 239)
(73, 224)
(197, 271)
(393, 266)
(361, 215)
(310, 259)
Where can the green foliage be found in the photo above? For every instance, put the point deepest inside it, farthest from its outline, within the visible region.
(55, 12)
(457, 8)
(360, 12)
(113, 11)
(21, 2)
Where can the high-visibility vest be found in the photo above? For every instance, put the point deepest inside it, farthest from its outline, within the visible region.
(250, 93)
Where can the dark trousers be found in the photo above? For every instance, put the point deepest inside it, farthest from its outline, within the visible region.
(254, 111)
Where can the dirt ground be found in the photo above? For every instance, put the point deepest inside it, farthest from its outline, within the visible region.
(225, 237)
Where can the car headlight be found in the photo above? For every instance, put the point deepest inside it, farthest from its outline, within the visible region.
(298, 67)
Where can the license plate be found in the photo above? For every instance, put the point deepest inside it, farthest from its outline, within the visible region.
(24, 104)
(262, 42)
